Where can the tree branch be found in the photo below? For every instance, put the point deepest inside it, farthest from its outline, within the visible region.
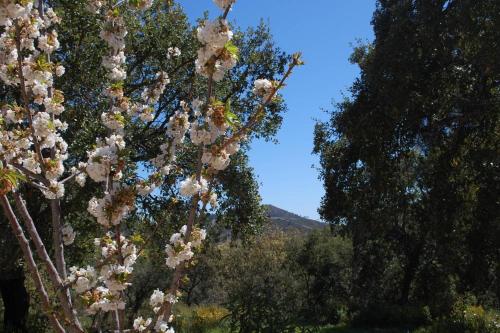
(57, 282)
(28, 257)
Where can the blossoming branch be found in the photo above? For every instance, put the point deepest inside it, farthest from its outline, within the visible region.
(33, 151)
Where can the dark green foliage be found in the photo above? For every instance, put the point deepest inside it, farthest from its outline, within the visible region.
(260, 293)
(410, 163)
(241, 209)
(466, 317)
(322, 265)
(277, 282)
(384, 315)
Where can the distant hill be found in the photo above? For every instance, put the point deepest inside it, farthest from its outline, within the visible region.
(287, 221)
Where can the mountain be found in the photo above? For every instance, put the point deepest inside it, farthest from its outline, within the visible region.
(287, 221)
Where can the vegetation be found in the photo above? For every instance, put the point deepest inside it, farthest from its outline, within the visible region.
(409, 161)
(165, 26)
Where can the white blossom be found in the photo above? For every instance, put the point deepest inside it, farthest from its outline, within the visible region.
(191, 186)
(263, 88)
(156, 300)
(223, 4)
(68, 234)
(141, 324)
(55, 190)
(214, 60)
(173, 52)
(60, 70)
(83, 279)
(31, 138)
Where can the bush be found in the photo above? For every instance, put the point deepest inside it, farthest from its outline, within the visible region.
(391, 315)
(467, 319)
(473, 319)
(199, 319)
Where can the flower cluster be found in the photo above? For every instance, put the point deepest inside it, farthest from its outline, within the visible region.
(101, 292)
(264, 88)
(178, 250)
(145, 188)
(173, 52)
(107, 162)
(217, 55)
(150, 95)
(103, 161)
(141, 324)
(31, 143)
(82, 279)
(27, 41)
(191, 186)
(177, 127)
(102, 299)
(224, 4)
(157, 299)
(68, 234)
(211, 129)
(113, 207)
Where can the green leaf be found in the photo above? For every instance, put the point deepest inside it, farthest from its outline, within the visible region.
(119, 118)
(231, 118)
(51, 126)
(43, 64)
(117, 85)
(14, 177)
(232, 49)
(137, 239)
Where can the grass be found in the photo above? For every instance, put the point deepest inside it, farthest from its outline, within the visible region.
(334, 329)
(344, 329)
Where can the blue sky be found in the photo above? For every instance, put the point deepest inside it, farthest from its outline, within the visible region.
(324, 31)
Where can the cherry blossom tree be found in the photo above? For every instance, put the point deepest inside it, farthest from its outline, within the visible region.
(33, 151)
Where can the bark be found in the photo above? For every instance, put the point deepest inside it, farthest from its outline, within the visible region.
(62, 292)
(410, 270)
(30, 262)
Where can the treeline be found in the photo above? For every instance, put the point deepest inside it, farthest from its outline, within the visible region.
(410, 162)
(285, 282)
(276, 282)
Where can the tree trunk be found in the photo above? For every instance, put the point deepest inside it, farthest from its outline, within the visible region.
(409, 273)
(16, 304)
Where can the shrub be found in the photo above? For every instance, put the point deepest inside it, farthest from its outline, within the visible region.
(391, 315)
(467, 319)
(474, 319)
(199, 319)
(208, 317)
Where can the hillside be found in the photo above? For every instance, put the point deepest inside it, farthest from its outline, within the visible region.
(287, 221)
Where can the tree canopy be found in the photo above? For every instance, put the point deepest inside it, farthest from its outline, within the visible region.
(410, 162)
